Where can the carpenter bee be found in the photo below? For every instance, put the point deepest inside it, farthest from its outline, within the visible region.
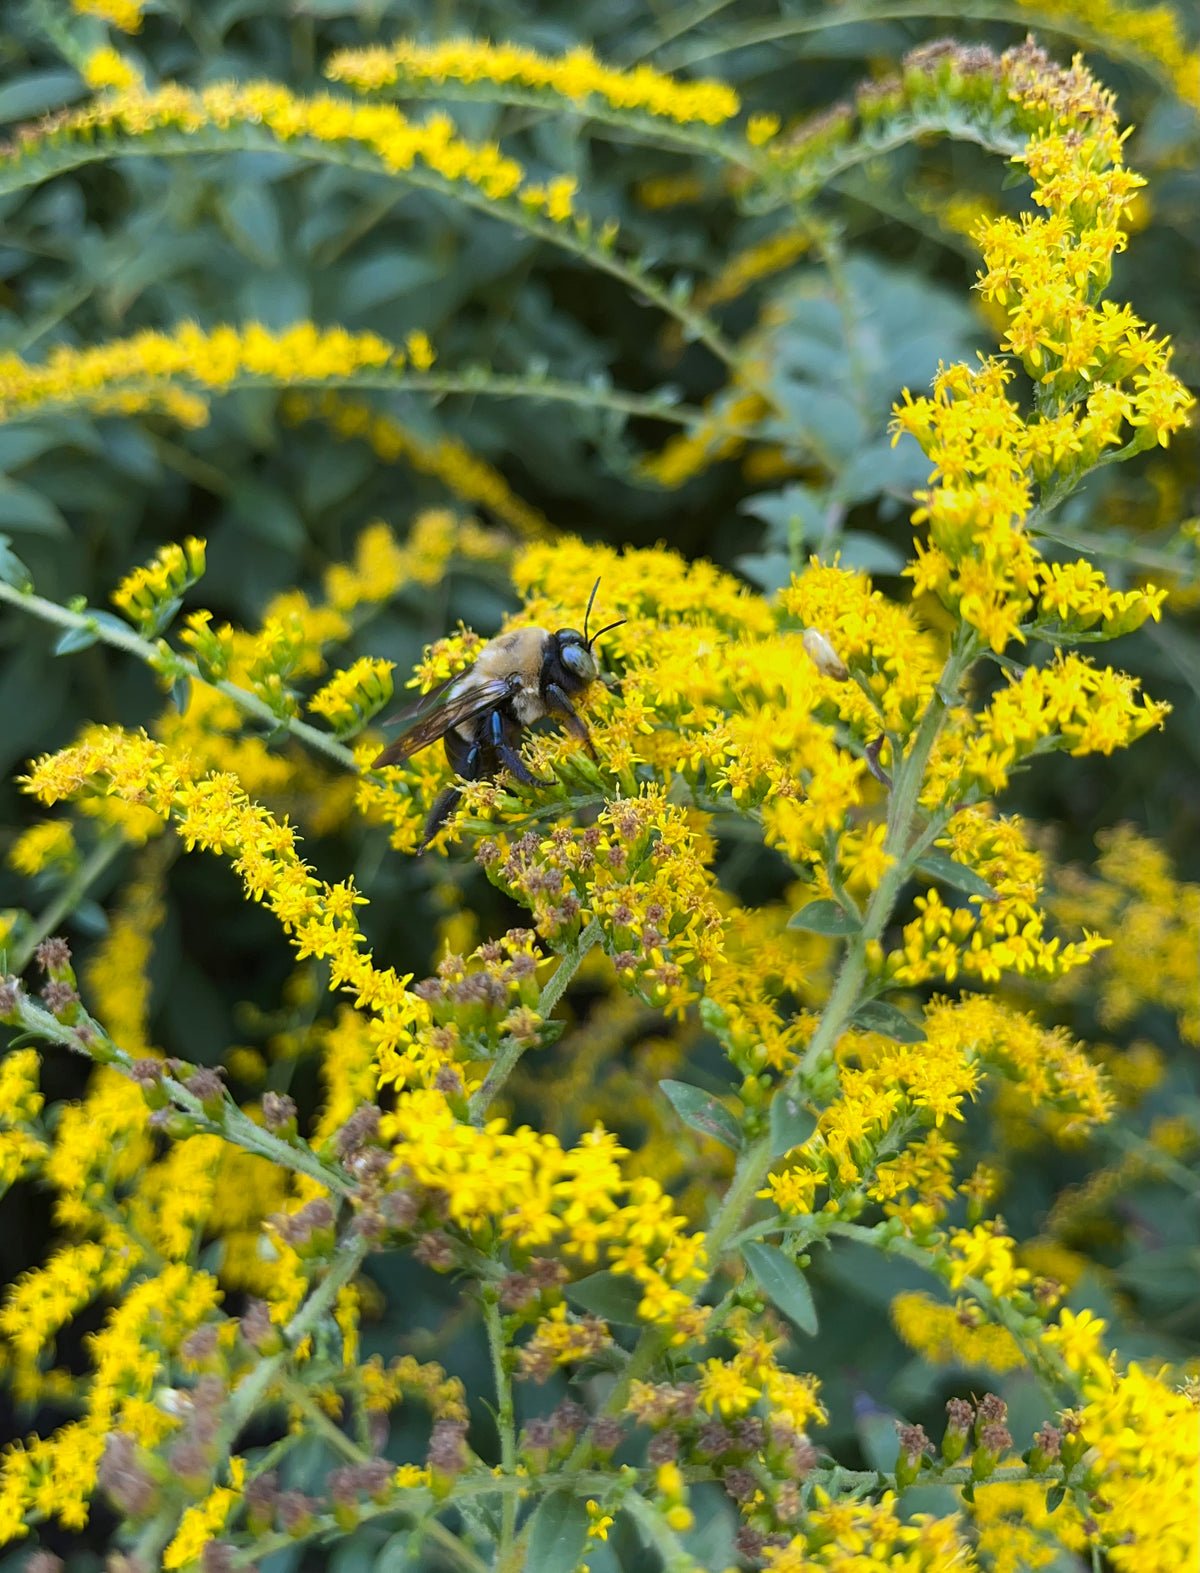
(515, 680)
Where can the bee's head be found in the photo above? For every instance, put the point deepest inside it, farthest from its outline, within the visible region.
(575, 654)
(575, 648)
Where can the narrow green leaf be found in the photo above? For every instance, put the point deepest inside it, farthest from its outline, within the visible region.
(823, 917)
(783, 1283)
(609, 1295)
(557, 1534)
(879, 1016)
(791, 1123)
(12, 570)
(75, 639)
(27, 512)
(703, 1113)
(940, 866)
(1054, 1497)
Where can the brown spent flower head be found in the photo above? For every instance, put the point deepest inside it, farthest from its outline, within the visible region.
(278, 1112)
(54, 955)
(360, 1130)
(124, 1479)
(60, 999)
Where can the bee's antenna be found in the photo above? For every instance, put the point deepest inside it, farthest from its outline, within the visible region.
(607, 629)
(588, 613)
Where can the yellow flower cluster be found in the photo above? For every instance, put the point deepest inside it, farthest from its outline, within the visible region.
(843, 1532)
(746, 268)
(352, 696)
(130, 1355)
(108, 68)
(1151, 922)
(575, 76)
(123, 14)
(729, 423)
(149, 595)
(21, 1146)
(1069, 704)
(890, 1092)
(1140, 1436)
(1100, 375)
(983, 936)
(463, 472)
(380, 129)
(141, 373)
(956, 1334)
(535, 1193)
(48, 844)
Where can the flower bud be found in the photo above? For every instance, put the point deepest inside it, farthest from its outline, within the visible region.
(994, 1441)
(914, 1445)
(958, 1427)
(1047, 1445)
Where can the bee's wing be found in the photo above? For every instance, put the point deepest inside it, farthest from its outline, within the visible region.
(443, 709)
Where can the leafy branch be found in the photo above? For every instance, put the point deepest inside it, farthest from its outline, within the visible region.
(1024, 17)
(171, 666)
(473, 380)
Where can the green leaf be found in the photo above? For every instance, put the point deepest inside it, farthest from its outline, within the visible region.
(12, 570)
(703, 1113)
(557, 1534)
(783, 1283)
(879, 1016)
(791, 1123)
(823, 917)
(75, 639)
(612, 1296)
(940, 866)
(1054, 1497)
(22, 508)
(38, 91)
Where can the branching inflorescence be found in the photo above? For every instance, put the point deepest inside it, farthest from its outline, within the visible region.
(841, 727)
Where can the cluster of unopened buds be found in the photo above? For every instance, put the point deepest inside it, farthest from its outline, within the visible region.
(493, 992)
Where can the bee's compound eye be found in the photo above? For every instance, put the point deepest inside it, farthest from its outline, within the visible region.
(578, 659)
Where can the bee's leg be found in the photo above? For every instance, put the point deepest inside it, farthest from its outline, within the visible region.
(559, 702)
(466, 759)
(447, 801)
(504, 737)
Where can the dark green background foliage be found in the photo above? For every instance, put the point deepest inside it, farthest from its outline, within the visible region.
(147, 242)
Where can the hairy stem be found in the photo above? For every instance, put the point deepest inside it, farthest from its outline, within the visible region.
(510, 1051)
(229, 1122)
(505, 1415)
(68, 897)
(170, 662)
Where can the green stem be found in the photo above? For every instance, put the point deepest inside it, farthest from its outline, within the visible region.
(253, 1387)
(505, 1415)
(231, 1123)
(67, 899)
(452, 1544)
(175, 665)
(659, 1533)
(1049, 1367)
(54, 159)
(510, 1051)
(474, 382)
(296, 1393)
